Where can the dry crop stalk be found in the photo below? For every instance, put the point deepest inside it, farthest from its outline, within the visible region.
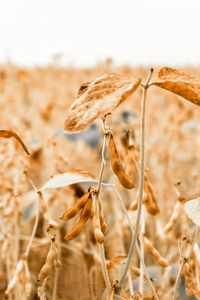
(141, 185)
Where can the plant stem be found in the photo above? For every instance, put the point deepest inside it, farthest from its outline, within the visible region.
(183, 261)
(141, 185)
(142, 250)
(137, 246)
(101, 246)
(100, 179)
(34, 228)
(130, 280)
(55, 283)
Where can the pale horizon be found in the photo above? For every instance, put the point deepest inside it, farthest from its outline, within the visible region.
(85, 33)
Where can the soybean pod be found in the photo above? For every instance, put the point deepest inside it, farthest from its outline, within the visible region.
(72, 211)
(117, 167)
(84, 217)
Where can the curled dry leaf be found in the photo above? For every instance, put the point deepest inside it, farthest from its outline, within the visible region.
(69, 178)
(180, 83)
(98, 98)
(7, 134)
(192, 209)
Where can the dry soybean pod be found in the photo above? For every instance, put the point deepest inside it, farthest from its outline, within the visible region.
(144, 199)
(72, 211)
(151, 209)
(98, 234)
(44, 272)
(129, 163)
(134, 204)
(188, 274)
(117, 167)
(84, 217)
(51, 223)
(174, 217)
(18, 271)
(136, 271)
(153, 197)
(26, 279)
(101, 217)
(162, 262)
(196, 291)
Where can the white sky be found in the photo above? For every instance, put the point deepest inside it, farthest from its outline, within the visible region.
(135, 32)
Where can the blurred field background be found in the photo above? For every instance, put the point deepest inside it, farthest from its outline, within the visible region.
(33, 103)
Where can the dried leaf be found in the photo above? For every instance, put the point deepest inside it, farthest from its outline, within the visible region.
(7, 134)
(69, 178)
(192, 209)
(98, 98)
(180, 83)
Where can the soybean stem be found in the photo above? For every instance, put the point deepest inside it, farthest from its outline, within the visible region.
(142, 250)
(141, 185)
(101, 246)
(137, 246)
(34, 228)
(184, 260)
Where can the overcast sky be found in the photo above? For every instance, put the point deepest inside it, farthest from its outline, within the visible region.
(136, 32)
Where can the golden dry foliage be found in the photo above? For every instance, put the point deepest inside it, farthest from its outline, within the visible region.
(98, 98)
(180, 83)
(7, 134)
(47, 93)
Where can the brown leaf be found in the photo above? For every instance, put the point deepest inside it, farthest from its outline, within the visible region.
(180, 83)
(98, 98)
(7, 134)
(68, 178)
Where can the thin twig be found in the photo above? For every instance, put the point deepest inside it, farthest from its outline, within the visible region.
(141, 185)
